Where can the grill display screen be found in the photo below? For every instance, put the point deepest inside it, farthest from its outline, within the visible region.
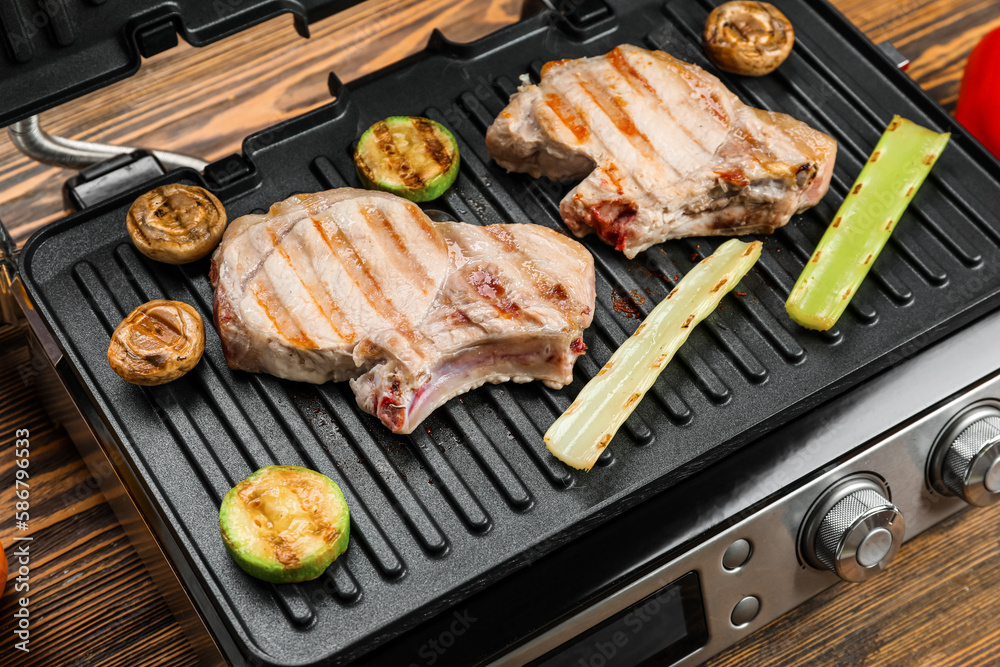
(660, 629)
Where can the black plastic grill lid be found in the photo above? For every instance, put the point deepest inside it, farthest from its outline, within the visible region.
(473, 494)
(53, 51)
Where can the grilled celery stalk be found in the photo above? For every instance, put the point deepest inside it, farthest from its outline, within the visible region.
(581, 433)
(901, 161)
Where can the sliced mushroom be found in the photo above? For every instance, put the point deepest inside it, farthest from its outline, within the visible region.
(748, 38)
(158, 342)
(176, 223)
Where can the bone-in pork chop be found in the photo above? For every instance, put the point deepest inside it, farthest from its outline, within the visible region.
(359, 285)
(665, 150)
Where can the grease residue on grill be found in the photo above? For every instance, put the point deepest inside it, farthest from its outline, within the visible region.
(627, 304)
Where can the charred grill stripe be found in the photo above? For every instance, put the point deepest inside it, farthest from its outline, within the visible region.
(425, 224)
(632, 75)
(614, 175)
(356, 266)
(272, 307)
(377, 220)
(252, 273)
(331, 308)
(583, 118)
(432, 143)
(552, 64)
(564, 112)
(639, 83)
(313, 202)
(615, 109)
(565, 304)
(708, 97)
(387, 146)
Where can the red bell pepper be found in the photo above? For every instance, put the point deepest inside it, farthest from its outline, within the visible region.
(979, 97)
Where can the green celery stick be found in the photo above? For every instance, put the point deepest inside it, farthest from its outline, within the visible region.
(901, 161)
(581, 433)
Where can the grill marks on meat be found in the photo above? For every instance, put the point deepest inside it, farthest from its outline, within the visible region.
(362, 286)
(297, 288)
(663, 148)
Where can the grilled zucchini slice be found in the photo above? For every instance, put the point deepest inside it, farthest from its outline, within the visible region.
(285, 524)
(409, 156)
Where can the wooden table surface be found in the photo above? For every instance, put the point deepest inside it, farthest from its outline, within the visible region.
(93, 602)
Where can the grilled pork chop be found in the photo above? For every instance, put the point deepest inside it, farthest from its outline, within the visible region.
(666, 150)
(359, 285)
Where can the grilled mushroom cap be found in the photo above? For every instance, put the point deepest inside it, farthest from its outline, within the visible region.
(176, 223)
(158, 342)
(748, 38)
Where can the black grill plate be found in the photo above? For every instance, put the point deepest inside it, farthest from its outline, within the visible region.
(475, 495)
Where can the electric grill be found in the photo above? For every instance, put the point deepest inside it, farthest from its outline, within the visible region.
(766, 460)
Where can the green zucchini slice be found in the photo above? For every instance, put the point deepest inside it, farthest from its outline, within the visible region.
(409, 156)
(285, 523)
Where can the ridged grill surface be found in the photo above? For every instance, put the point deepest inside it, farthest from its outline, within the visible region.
(840, 518)
(473, 494)
(968, 443)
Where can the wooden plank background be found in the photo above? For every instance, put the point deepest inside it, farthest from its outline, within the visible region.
(92, 601)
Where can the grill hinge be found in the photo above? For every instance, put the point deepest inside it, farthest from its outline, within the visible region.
(110, 178)
(582, 19)
(10, 313)
(231, 176)
(16, 309)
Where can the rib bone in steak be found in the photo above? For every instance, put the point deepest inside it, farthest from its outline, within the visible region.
(666, 150)
(359, 285)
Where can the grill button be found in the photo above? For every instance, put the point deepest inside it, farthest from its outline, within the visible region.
(736, 555)
(745, 611)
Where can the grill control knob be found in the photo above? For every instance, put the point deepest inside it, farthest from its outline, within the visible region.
(966, 459)
(853, 530)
